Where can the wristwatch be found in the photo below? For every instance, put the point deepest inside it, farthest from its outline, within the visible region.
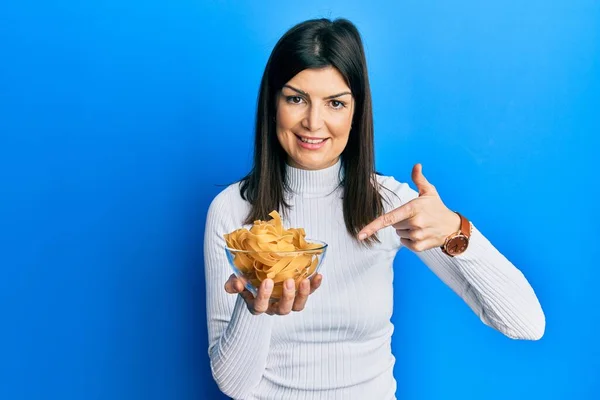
(458, 242)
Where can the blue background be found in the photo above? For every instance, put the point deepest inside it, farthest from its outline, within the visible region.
(119, 118)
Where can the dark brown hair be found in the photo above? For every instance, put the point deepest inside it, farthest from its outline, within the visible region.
(316, 43)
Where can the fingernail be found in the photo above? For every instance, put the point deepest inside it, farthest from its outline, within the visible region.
(289, 284)
(362, 236)
(268, 284)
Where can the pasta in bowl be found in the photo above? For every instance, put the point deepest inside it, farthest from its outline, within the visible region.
(268, 250)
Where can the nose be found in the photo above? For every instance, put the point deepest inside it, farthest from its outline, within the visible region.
(313, 121)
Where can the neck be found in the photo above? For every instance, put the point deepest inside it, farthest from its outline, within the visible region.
(314, 182)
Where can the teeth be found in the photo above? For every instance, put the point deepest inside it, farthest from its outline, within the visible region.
(312, 141)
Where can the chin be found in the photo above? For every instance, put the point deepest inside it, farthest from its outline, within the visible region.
(309, 164)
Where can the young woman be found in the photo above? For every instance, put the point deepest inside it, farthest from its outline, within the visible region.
(314, 163)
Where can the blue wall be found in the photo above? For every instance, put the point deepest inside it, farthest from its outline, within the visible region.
(119, 117)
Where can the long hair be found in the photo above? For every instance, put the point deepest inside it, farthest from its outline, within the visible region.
(316, 43)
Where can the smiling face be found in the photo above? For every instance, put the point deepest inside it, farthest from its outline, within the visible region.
(314, 118)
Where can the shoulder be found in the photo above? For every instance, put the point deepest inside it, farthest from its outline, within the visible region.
(228, 205)
(394, 192)
(230, 194)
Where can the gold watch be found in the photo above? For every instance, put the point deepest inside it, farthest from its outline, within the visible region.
(458, 242)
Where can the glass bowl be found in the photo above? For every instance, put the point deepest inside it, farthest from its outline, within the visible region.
(252, 267)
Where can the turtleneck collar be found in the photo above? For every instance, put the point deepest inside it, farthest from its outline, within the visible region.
(320, 182)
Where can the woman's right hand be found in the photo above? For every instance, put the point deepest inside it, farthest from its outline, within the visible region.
(289, 301)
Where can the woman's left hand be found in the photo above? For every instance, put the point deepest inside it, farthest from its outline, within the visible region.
(423, 223)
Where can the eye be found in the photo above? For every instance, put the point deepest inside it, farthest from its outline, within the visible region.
(336, 104)
(294, 99)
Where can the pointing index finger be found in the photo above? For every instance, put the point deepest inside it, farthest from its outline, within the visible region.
(399, 214)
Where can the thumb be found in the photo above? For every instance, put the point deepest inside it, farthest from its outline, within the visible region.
(234, 285)
(423, 185)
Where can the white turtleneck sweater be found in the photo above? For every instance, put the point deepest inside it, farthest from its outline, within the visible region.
(339, 346)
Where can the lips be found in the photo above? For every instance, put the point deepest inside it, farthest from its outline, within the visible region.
(311, 143)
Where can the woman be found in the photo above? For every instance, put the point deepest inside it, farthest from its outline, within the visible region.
(314, 163)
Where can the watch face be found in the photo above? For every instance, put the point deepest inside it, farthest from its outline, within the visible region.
(457, 245)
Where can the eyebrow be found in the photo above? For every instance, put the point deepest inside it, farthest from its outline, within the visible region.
(326, 98)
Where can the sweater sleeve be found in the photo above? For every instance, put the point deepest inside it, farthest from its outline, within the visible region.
(238, 340)
(486, 280)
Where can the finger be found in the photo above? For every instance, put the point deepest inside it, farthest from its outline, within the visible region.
(287, 298)
(233, 285)
(393, 217)
(418, 246)
(405, 224)
(238, 285)
(407, 243)
(423, 185)
(272, 310)
(414, 235)
(249, 299)
(261, 303)
(403, 233)
(315, 282)
(301, 296)
(418, 221)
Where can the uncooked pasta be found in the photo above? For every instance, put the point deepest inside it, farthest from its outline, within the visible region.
(268, 250)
